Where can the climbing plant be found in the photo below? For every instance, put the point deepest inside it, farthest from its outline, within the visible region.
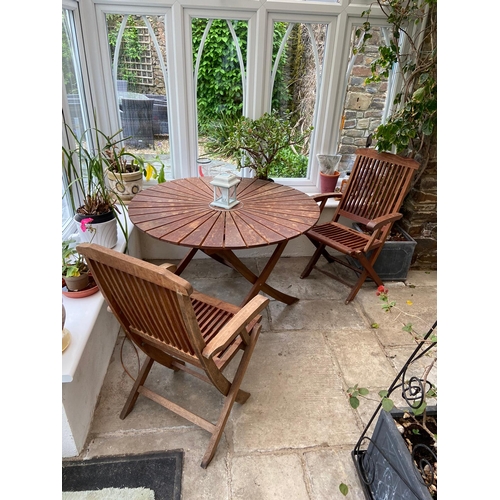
(413, 47)
(219, 84)
(131, 48)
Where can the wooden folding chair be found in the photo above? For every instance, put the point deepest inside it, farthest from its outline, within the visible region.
(176, 327)
(375, 192)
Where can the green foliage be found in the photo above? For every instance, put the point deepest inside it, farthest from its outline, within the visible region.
(219, 85)
(289, 164)
(73, 263)
(281, 98)
(354, 392)
(344, 489)
(86, 167)
(262, 144)
(387, 403)
(414, 120)
(130, 49)
(67, 61)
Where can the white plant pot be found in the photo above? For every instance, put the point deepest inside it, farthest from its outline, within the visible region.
(105, 234)
(125, 185)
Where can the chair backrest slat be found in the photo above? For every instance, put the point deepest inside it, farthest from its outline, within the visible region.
(378, 184)
(148, 301)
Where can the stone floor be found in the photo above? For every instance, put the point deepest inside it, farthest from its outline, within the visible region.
(293, 438)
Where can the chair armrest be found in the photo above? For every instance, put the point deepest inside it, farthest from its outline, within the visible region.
(375, 225)
(324, 197)
(169, 267)
(236, 326)
(379, 222)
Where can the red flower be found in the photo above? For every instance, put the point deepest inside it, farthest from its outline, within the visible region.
(84, 222)
(381, 288)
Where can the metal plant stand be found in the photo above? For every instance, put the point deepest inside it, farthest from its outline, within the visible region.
(384, 464)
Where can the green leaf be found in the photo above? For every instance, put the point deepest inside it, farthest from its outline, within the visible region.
(427, 127)
(354, 402)
(387, 404)
(420, 409)
(375, 325)
(344, 489)
(418, 95)
(383, 394)
(363, 391)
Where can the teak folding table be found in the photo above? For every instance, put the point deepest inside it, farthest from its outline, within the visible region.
(179, 212)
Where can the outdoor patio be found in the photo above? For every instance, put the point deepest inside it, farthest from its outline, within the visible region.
(294, 436)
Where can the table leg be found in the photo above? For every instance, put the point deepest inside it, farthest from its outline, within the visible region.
(185, 261)
(259, 282)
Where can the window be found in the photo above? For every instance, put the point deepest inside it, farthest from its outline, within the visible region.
(298, 51)
(162, 72)
(220, 82)
(74, 107)
(137, 62)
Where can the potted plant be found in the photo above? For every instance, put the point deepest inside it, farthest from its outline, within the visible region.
(394, 260)
(126, 171)
(86, 167)
(75, 271)
(329, 172)
(256, 144)
(398, 457)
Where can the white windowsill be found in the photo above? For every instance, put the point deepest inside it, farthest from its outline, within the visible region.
(81, 315)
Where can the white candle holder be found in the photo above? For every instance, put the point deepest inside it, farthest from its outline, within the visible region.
(225, 185)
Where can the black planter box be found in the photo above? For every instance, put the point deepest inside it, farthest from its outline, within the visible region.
(386, 468)
(394, 260)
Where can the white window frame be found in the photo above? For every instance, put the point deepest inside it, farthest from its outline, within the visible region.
(261, 14)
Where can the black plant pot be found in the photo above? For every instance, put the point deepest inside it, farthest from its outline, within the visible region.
(386, 468)
(393, 262)
(96, 219)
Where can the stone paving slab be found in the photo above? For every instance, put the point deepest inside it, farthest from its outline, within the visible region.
(326, 469)
(294, 435)
(297, 399)
(256, 477)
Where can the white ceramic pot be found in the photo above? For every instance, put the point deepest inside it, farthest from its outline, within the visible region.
(126, 185)
(101, 233)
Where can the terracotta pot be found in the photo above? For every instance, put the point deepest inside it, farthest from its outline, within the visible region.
(328, 182)
(125, 185)
(75, 283)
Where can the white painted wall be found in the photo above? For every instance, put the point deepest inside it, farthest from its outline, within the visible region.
(79, 397)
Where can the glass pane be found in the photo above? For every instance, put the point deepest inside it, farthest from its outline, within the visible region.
(73, 84)
(298, 51)
(139, 68)
(219, 53)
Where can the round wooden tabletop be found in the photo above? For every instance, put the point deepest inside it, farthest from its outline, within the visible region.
(179, 212)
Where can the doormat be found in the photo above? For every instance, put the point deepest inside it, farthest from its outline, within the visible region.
(160, 472)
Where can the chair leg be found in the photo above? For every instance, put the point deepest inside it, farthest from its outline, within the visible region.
(316, 255)
(134, 393)
(230, 399)
(367, 271)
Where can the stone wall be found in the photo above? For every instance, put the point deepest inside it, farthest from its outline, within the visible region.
(363, 109)
(420, 215)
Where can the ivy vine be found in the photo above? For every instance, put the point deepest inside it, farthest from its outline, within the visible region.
(414, 120)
